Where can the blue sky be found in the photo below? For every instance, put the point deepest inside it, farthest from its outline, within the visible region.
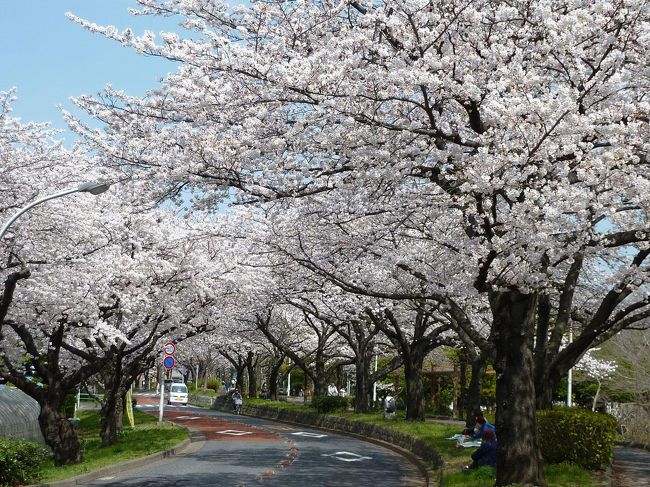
(49, 58)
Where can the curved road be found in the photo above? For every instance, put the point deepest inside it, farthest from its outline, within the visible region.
(240, 451)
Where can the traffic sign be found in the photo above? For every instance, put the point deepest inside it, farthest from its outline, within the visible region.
(169, 362)
(170, 348)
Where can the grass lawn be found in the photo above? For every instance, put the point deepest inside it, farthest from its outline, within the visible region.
(147, 438)
(280, 404)
(203, 392)
(436, 434)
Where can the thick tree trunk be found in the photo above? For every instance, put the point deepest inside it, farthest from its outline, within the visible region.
(519, 459)
(112, 376)
(239, 382)
(547, 383)
(59, 434)
(273, 380)
(414, 390)
(475, 389)
(339, 378)
(252, 376)
(108, 420)
(320, 379)
(362, 390)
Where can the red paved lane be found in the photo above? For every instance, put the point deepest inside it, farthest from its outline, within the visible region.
(212, 428)
(219, 429)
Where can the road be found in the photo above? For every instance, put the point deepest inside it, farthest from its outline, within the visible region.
(239, 451)
(631, 468)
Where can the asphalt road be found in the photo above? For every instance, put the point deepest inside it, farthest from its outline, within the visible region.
(242, 451)
(631, 468)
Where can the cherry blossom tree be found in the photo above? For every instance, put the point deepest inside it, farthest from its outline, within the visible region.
(525, 126)
(596, 369)
(53, 296)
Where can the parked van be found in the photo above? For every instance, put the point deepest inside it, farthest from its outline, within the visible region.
(177, 394)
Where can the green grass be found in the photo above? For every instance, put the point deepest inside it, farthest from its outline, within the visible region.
(203, 392)
(561, 475)
(434, 434)
(280, 404)
(147, 438)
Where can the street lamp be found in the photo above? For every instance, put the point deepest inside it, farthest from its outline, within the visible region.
(92, 188)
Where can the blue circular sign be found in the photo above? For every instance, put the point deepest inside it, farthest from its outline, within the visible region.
(169, 362)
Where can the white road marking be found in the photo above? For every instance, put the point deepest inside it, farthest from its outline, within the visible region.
(346, 456)
(234, 432)
(188, 417)
(307, 433)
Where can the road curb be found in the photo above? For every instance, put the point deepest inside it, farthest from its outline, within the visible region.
(119, 467)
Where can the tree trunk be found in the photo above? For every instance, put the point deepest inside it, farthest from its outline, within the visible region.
(239, 382)
(519, 459)
(475, 389)
(119, 411)
(108, 419)
(414, 390)
(593, 407)
(462, 386)
(274, 377)
(362, 390)
(339, 378)
(273, 383)
(111, 376)
(320, 385)
(544, 389)
(59, 434)
(252, 379)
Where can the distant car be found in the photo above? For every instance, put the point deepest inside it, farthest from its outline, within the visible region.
(177, 394)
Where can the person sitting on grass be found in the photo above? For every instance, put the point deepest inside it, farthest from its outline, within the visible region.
(486, 454)
(482, 425)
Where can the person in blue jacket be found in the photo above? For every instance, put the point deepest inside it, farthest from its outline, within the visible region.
(486, 454)
(482, 425)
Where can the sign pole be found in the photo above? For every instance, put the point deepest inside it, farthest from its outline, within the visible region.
(168, 363)
(162, 398)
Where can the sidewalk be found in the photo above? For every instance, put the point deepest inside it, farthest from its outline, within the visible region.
(631, 467)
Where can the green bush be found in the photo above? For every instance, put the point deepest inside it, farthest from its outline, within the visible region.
(329, 404)
(214, 384)
(578, 436)
(20, 461)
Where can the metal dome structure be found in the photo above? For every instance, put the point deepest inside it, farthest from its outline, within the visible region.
(19, 415)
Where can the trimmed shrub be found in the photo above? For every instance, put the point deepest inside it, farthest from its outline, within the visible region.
(329, 404)
(578, 436)
(20, 461)
(214, 384)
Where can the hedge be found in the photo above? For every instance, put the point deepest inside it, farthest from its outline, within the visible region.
(578, 436)
(329, 404)
(20, 461)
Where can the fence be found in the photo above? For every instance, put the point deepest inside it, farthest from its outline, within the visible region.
(19, 415)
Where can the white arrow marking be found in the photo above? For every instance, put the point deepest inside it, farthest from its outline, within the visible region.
(351, 457)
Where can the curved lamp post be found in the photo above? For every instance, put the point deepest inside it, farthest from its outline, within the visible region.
(92, 188)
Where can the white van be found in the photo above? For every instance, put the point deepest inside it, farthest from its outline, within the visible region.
(177, 394)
